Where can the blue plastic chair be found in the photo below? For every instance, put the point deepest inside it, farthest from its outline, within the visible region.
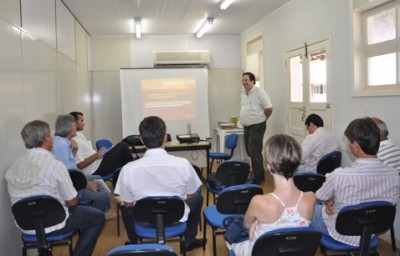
(302, 241)
(228, 173)
(37, 213)
(158, 218)
(142, 250)
(329, 162)
(233, 200)
(230, 143)
(108, 176)
(308, 181)
(31, 241)
(103, 143)
(364, 220)
(79, 182)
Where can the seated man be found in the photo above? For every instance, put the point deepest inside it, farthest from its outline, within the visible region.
(318, 143)
(159, 174)
(38, 172)
(93, 162)
(368, 179)
(63, 148)
(388, 152)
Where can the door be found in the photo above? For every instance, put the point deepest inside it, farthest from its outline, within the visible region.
(309, 87)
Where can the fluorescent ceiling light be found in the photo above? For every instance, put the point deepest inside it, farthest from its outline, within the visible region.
(225, 4)
(206, 26)
(138, 28)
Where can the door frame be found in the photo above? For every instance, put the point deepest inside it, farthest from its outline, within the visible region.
(294, 125)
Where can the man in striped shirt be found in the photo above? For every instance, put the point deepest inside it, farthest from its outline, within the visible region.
(37, 172)
(368, 179)
(388, 152)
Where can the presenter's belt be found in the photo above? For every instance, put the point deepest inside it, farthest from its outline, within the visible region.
(248, 126)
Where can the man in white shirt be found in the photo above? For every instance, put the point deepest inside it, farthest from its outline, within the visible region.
(255, 109)
(90, 161)
(159, 174)
(388, 152)
(316, 144)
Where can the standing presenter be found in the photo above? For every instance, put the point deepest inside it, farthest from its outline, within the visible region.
(255, 109)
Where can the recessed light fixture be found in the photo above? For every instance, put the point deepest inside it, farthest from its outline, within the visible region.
(225, 4)
(206, 26)
(138, 27)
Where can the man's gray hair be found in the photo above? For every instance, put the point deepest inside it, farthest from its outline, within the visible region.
(34, 133)
(382, 126)
(64, 125)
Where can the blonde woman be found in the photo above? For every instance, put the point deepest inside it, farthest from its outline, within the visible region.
(286, 206)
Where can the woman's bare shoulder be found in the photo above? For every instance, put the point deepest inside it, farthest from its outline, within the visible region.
(309, 197)
(267, 207)
(307, 205)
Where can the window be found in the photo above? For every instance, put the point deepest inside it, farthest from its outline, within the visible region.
(376, 30)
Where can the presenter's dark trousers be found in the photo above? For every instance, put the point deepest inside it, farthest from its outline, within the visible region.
(253, 140)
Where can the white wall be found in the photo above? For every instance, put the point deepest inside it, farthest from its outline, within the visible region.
(224, 74)
(224, 50)
(309, 20)
(36, 82)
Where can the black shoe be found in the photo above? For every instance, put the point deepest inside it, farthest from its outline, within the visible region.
(197, 243)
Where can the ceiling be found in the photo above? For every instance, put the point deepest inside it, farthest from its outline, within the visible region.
(168, 17)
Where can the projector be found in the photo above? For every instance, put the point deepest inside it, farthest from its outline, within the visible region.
(188, 138)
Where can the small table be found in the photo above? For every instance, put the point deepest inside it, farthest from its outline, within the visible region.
(220, 139)
(172, 146)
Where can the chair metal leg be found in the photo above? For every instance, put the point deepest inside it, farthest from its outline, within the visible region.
(204, 232)
(207, 197)
(214, 231)
(324, 251)
(211, 166)
(70, 247)
(393, 239)
(208, 173)
(118, 221)
(182, 244)
(45, 252)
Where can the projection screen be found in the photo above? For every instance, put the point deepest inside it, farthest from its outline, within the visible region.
(177, 95)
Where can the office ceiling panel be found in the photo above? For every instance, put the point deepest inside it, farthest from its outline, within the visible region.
(172, 17)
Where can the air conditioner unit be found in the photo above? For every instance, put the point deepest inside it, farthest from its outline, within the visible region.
(181, 58)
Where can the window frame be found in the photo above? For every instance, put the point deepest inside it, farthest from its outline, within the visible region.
(361, 11)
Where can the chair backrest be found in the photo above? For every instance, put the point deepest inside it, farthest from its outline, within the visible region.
(364, 220)
(37, 213)
(103, 143)
(236, 199)
(159, 211)
(133, 140)
(198, 171)
(78, 179)
(232, 173)
(329, 162)
(142, 250)
(231, 142)
(287, 241)
(309, 181)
